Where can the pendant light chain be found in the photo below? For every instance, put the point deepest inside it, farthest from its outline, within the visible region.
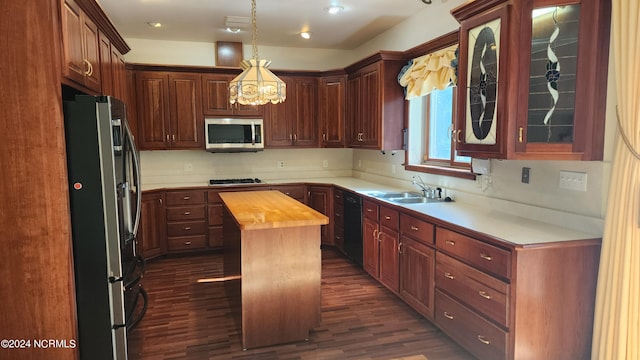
(254, 30)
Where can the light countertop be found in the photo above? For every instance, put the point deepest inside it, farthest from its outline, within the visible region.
(504, 226)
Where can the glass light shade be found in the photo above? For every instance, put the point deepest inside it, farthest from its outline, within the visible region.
(257, 85)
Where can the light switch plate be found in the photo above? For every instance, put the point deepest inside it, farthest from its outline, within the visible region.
(576, 181)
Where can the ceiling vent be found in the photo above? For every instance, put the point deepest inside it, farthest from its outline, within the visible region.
(237, 22)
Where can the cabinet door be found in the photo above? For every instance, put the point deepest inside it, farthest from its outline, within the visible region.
(389, 259)
(106, 67)
(278, 127)
(91, 45)
(332, 111)
(119, 76)
(304, 120)
(371, 99)
(320, 200)
(370, 247)
(152, 238)
(152, 92)
(187, 121)
(417, 266)
(354, 105)
(73, 57)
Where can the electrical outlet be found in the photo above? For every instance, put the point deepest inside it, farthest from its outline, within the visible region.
(575, 181)
(280, 164)
(525, 175)
(325, 163)
(188, 167)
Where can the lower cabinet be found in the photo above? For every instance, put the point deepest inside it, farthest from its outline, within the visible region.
(152, 238)
(320, 199)
(186, 220)
(381, 244)
(338, 219)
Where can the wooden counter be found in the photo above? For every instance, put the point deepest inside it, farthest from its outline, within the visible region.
(273, 243)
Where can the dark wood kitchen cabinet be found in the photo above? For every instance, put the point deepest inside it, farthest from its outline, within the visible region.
(381, 243)
(80, 46)
(375, 103)
(186, 220)
(417, 264)
(547, 98)
(332, 110)
(293, 123)
(338, 219)
(112, 70)
(152, 237)
(169, 110)
(297, 192)
(215, 98)
(370, 239)
(320, 199)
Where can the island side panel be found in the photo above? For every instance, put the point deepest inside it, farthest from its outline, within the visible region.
(231, 266)
(281, 277)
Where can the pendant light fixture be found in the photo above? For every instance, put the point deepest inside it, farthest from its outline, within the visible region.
(256, 85)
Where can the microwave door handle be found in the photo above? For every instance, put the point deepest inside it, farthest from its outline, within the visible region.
(253, 133)
(136, 170)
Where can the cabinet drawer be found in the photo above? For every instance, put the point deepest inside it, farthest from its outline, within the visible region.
(186, 228)
(370, 210)
(483, 293)
(338, 217)
(185, 213)
(184, 197)
(187, 242)
(215, 214)
(389, 218)
(416, 229)
(480, 337)
(338, 199)
(475, 252)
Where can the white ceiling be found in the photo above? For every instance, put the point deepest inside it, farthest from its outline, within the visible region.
(279, 22)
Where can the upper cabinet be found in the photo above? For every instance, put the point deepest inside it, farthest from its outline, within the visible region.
(169, 110)
(80, 46)
(91, 49)
(293, 123)
(375, 103)
(532, 79)
(215, 102)
(332, 110)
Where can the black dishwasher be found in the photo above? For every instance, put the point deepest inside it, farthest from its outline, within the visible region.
(353, 227)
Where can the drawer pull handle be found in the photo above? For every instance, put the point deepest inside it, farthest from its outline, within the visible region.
(387, 217)
(399, 248)
(369, 210)
(449, 276)
(187, 228)
(187, 212)
(414, 228)
(450, 242)
(484, 294)
(486, 257)
(187, 198)
(338, 214)
(483, 340)
(447, 315)
(187, 242)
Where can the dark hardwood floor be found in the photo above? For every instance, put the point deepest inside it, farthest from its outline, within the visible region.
(188, 319)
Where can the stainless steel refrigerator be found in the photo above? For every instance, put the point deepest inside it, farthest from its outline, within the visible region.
(105, 195)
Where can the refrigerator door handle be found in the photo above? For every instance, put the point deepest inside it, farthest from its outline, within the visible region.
(136, 164)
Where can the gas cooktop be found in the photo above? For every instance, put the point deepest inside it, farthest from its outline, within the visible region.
(234, 181)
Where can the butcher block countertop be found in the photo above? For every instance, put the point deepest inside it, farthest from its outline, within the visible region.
(270, 209)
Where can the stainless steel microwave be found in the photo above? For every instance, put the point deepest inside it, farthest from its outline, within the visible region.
(233, 134)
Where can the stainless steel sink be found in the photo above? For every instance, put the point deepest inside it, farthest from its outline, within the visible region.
(398, 195)
(414, 200)
(405, 197)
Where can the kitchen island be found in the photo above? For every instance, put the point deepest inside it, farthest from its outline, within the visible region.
(272, 243)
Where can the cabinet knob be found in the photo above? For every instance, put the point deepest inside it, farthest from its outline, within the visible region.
(450, 242)
(483, 340)
(447, 315)
(449, 276)
(486, 257)
(414, 228)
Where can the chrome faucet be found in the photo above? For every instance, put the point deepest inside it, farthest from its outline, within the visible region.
(426, 190)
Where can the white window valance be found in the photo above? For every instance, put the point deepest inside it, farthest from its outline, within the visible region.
(429, 72)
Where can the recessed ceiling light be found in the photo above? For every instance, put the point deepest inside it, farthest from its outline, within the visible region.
(233, 30)
(334, 9)
(305, 35)
(154, 24)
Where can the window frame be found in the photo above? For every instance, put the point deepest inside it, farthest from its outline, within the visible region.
(437, 167)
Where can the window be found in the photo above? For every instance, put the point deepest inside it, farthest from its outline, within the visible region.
(431, 149)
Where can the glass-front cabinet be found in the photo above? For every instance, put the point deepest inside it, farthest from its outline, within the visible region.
(532, 78)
